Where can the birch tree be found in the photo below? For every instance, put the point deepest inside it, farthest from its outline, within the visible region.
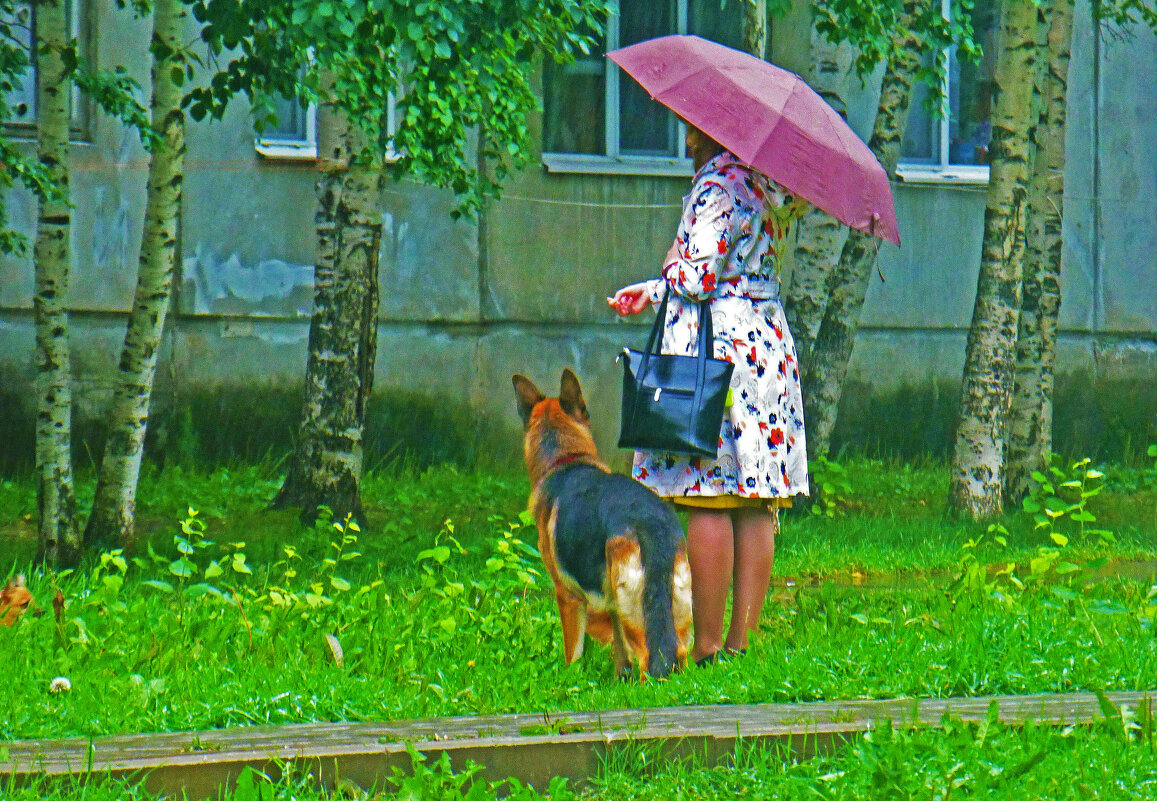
(114, 504)
(55, 494)
(755, 27)
(824, 372)
(977, 472)
(458, 75)
(1030, 425)
(819, 236)
(328, 462)
(902, 37)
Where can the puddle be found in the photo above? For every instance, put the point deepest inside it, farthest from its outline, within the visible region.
(1143, 570)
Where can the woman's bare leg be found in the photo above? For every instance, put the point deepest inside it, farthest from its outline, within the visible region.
(711, 555)
(755, 531)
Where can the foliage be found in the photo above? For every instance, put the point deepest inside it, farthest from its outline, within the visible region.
(1126, 13)
(1058, 496)
(457, 71)
(873, 28)
(829, 485)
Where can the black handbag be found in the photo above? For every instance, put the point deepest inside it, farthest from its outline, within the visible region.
(674, 403)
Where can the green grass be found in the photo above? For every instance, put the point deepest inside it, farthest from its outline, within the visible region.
(438, 611)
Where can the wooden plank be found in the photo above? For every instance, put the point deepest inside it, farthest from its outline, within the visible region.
(531, 748)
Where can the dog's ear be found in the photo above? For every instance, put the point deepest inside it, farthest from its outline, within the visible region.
(570, 397)
(528, 396)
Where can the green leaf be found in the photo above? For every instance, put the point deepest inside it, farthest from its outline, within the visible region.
(1059, 539)
(239, 565)
(181, 568)
(213, 570)
(338, 583)
(157, 584)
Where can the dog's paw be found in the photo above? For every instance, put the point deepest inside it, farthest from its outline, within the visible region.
(627, 672)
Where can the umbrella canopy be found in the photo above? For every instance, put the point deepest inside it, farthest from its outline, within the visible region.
(771, 120)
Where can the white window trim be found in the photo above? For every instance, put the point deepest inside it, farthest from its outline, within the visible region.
(958, 174)
(276, 149)
(942, 172)
(614, 163)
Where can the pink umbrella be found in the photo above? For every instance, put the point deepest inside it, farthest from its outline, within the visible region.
(771, 120)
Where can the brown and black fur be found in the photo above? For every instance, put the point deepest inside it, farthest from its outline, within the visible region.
(614, 550)
(14, 600)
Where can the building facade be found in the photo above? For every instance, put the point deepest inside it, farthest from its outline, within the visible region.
(467, 303)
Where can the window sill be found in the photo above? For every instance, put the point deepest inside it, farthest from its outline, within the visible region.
(285, 151)
(621, 165)
(957, 175)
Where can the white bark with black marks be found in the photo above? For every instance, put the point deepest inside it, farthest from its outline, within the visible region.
(825, 370)
(1030, 424)
(55, 494)
(819, 236)
(326, 467)
(114, 505)
(977, 472)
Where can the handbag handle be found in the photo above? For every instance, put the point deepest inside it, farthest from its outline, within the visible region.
(655, 344)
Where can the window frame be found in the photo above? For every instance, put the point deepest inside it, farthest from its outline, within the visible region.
(613, 162)
(943, 171)
(282, 149)
(83, 30)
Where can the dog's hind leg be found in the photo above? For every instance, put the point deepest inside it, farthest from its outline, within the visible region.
(622, 652)
(573, 615)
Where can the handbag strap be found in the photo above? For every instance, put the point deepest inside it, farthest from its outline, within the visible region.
(706, 349)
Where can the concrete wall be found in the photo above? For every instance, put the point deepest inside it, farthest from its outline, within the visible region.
(464, 306)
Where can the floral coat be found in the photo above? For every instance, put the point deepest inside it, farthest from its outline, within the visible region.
(731, 226)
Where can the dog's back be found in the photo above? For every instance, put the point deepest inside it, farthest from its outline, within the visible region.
(603, 517)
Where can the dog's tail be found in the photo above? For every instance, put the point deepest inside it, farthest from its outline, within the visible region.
(658, 545)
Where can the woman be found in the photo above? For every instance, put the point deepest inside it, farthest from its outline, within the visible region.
(726, 250)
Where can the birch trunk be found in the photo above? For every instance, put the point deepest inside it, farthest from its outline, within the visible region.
(326, 467)
(1030, 426)
(55, 495)
(114, 504)
(977, 472)
(755, 27)
(819, 236)
(827, 366)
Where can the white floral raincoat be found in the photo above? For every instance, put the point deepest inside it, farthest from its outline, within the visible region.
(732, 223)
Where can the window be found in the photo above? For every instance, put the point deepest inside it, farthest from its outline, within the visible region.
(22, 99)
(295, 134)
(954, 145)
(596, 119)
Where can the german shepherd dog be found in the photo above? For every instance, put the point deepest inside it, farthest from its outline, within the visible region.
(14, 600)
(614, 550)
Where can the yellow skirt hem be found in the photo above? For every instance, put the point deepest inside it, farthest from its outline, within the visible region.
(730, 502)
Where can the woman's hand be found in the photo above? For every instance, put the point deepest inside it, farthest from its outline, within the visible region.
(630, 300)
